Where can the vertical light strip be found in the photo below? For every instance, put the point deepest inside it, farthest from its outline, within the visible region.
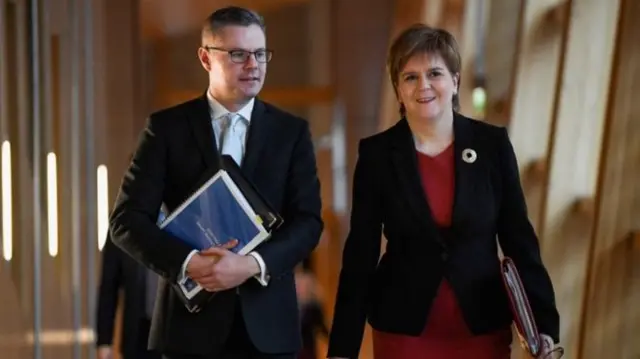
(102, 179)
(339, 158)
(52, 203)
(7, 218)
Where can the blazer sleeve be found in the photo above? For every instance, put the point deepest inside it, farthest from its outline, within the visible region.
(303, 225)
(133, 220)
(359, 260)
(110, 283)
(518, 241)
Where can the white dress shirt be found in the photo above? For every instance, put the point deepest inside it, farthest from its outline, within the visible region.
(219, 115)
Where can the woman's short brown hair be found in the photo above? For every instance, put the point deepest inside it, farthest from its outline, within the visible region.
(418, 39)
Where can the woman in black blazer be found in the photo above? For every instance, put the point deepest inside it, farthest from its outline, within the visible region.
(441, 187)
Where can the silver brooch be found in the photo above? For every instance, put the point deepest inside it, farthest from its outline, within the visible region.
(469, 155)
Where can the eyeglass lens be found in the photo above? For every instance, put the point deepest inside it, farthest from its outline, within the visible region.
(240, 56)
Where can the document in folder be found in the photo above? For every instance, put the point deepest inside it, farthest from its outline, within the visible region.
(218, 211)
(524, 320)
(522, 314)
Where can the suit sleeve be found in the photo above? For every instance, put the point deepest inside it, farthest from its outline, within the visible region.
(303, 224)
(359, 260)
(133, 220)
(518, 241)
(110, 283)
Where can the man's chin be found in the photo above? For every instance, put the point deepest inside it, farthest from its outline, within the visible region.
(250, 93)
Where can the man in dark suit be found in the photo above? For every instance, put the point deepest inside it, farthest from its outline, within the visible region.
(254, 313)
(120, 271)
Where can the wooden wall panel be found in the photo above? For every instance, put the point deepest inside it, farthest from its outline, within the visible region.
(473, 19)
(169, 17)
(611, 315)
(573, 153)
(504, 26)
(323, 121)
(12, 327)
(534, 90)
(406, 12)
(358, 78)
(521, 96)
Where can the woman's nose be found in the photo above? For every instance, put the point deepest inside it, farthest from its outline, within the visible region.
(424, 82)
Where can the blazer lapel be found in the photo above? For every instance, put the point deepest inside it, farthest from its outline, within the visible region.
(200, 121)
(406, 162)
(256, 138)
(464, 164)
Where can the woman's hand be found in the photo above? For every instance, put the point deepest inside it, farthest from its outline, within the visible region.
(547, 345)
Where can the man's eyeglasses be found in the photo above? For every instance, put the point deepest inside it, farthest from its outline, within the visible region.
(240, 56)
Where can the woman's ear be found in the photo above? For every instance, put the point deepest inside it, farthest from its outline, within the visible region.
(456, 83)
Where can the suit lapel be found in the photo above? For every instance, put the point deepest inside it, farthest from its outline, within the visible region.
(200, 121)
(464, 171)
(256, 138)
(405, 160)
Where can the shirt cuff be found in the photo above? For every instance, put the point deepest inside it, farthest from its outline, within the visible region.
(547, 342)
(183, 271)
(263, 277)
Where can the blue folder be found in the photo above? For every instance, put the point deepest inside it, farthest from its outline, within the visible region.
(215, 213)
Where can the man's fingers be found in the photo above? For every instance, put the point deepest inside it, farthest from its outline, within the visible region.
(221, 249)
(230, 244)
(208, 282)
(201, 273)
(214, 252)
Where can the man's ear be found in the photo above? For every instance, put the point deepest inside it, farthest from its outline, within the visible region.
(205, 60)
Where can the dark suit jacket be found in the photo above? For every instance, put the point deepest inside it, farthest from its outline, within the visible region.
(176, 150)
(119, 271)
(396, 292)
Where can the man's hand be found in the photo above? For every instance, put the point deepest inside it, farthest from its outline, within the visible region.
(228, 271)
(105, 352)
(200, 266)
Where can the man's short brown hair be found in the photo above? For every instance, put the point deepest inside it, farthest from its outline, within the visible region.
(231, 16)
(420, 39)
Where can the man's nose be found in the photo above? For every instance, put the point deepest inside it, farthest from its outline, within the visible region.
(251, 62)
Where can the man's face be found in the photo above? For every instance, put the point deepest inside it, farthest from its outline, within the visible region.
(235, 58)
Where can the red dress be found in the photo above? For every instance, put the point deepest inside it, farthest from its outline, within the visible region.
(446, 335)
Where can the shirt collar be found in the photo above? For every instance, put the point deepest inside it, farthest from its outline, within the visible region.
(217, 110)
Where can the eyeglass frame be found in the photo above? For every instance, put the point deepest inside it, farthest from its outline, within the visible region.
(247, 53)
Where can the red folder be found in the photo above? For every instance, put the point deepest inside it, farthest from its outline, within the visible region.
(522, 314)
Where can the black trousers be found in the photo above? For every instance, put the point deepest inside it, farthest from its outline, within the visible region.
(142, 343)
(238, 345)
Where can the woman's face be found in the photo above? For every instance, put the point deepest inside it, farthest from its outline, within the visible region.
(426, 87)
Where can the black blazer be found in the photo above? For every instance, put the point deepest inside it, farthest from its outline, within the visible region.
(176, 150)
(119, 271)
(396, 293)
